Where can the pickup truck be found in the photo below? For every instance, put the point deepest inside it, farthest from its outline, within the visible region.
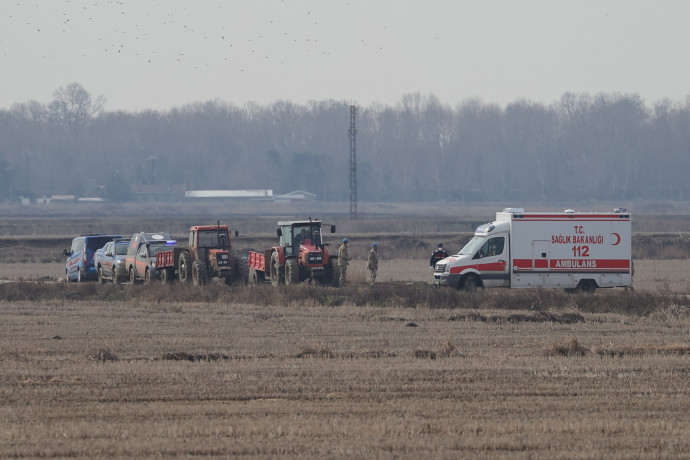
(110, 261)
(142, 254)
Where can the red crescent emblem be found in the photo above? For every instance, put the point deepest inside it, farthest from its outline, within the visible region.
(618, 239)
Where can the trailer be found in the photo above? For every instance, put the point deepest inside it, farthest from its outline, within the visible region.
(258, 272)
(570, 250)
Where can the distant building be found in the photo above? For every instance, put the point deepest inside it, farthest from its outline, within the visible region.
(64, 198)
(230, 194)
(297, 195)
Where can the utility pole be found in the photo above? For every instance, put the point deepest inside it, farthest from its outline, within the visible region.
(353, 163)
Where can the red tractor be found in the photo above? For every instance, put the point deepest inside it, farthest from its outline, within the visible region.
(209, 255)
(301, 255)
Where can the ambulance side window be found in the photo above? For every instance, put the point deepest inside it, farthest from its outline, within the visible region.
(493, 247)
(496, 246)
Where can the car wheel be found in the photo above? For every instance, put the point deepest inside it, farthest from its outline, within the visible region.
(116, 279)
(147, 276)
(80, 278)
(132, 276)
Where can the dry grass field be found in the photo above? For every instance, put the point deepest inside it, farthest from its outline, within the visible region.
(145, 378)
(401, 370)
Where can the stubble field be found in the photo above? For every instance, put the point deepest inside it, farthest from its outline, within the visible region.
(398, 370)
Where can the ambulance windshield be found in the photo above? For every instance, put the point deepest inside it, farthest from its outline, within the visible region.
(471, 247)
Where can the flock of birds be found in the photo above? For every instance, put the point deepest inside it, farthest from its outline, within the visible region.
(124, 30)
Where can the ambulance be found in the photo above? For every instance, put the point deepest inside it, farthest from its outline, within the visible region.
(570, 250)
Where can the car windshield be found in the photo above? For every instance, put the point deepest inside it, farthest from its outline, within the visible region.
(155, 248)
(471, 246)
(121, 249)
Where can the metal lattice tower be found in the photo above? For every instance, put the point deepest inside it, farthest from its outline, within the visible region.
(352, 133)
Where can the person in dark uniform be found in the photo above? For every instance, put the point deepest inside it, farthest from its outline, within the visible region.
(438, 254)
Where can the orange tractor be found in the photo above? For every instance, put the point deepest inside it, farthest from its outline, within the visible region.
(209, 255)
(301, 255)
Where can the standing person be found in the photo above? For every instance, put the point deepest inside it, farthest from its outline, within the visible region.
(343, 260)
(373, 263)
(438, 254)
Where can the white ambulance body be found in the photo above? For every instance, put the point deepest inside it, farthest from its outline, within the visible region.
(583, 250)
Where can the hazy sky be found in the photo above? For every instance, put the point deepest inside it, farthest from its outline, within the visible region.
(143, 54)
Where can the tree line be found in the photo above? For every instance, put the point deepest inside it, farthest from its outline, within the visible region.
(582, 147)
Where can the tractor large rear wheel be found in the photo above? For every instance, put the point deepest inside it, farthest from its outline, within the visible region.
(185, 267)
(277, 271)
(291, 271)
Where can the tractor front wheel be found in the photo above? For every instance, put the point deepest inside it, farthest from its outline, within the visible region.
(241, 271)
(332, 272)
(291, 271)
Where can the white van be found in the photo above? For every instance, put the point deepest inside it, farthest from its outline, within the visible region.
(570, 250)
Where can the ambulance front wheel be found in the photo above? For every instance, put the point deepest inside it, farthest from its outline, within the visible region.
(470, 283)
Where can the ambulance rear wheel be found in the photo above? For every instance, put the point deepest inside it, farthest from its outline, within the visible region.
(586, 286)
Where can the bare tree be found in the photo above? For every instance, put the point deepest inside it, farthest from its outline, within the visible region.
(73, 106)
